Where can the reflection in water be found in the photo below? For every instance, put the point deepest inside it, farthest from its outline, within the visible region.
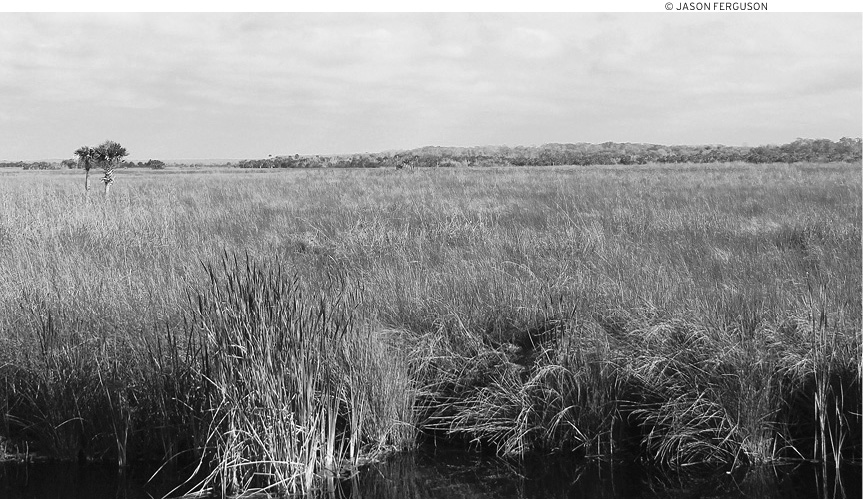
(456, 474)
(84, 481)
(438, 474)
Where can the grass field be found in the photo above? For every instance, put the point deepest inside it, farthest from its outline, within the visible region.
(278, 326)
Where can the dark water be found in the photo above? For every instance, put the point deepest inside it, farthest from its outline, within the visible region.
(74, 481)
(443, 474)
(438, 474)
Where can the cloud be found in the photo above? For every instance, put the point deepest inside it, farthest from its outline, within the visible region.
(318, 83)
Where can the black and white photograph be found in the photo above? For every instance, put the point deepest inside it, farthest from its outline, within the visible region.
(430, 250)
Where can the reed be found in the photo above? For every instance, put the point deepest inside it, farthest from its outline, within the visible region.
(294, 396)
(679, 315)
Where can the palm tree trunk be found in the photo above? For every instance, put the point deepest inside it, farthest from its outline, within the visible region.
(108, 178)
(87, 180)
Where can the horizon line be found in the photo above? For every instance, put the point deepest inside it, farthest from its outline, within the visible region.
(393, 150)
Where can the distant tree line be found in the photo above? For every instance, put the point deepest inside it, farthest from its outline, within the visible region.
(72, 164)
(32, 165)
(376, 160)
(608, 153)
(153, 164)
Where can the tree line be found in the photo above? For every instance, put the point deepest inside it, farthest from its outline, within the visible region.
(73, 164)
(607, 153)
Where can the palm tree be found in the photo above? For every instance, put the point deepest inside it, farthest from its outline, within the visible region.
(86, 155)
(109, 154)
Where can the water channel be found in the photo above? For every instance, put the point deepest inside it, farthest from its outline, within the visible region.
(434, 473)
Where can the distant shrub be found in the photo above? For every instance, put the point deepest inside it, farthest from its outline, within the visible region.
(41, 165)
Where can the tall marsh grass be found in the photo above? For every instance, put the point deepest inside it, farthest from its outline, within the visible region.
(683, 315)
(298, 390)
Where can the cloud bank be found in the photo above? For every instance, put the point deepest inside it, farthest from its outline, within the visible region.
(249, 85)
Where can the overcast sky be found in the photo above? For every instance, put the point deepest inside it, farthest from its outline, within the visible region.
(172, 86)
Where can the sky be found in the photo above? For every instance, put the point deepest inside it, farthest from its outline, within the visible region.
(249, 85)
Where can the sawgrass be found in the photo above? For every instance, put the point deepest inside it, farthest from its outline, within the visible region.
(680, 314)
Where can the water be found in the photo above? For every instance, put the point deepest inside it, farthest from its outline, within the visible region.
(456, 474)
(447, 474)
(74, 481)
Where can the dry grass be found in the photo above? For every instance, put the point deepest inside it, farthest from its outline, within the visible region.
(688, 313)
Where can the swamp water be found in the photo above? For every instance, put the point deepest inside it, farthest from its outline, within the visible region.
(437, 474)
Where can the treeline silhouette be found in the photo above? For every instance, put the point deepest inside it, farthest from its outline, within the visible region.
(72, 164)
(33, 165)
(607, 153)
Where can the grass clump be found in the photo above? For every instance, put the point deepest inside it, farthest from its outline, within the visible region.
(268, 382)
(558, 394)
(299, 391)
